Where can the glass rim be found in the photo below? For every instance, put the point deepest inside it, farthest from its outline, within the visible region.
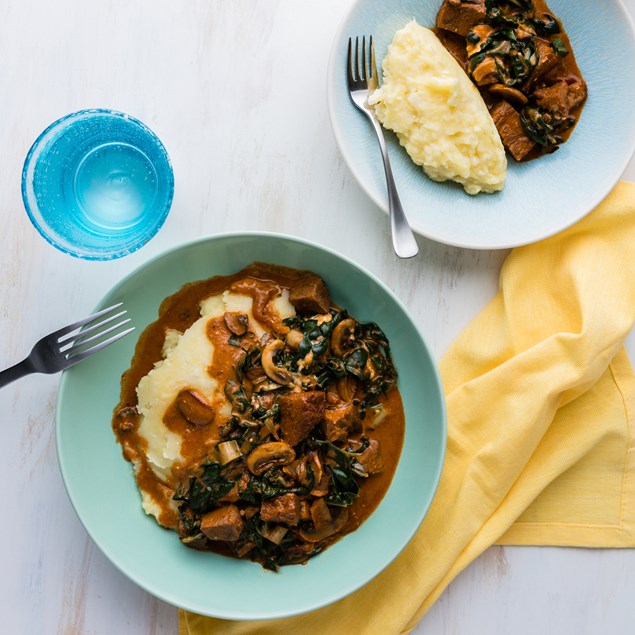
(30, 205)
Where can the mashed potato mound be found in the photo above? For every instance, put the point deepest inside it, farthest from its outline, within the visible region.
(438, 114)
(186, 364)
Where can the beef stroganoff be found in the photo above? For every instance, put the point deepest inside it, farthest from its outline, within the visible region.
(262, 420)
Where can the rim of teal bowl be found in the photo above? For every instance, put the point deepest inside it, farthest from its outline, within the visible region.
(119, 252)
(328, 598)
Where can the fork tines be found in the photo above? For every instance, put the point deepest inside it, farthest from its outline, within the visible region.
(89, 340)
(358, 71)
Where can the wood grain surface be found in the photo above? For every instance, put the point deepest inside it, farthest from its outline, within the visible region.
(236, 91)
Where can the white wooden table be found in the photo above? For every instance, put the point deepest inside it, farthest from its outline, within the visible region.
(217, 81)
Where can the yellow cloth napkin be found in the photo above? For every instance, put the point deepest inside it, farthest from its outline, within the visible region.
(541, 427)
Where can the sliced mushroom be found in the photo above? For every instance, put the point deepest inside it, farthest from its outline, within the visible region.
(486, 72)
(294, 337)
(510, 94)
(280, 375)
(235, 393)
(237, 323)
(343, 336)
(195, 408)
(308, 470)
(126, 418)
(305, 510)
(316, 466)
(321, 514)
(346, 387)
(197, 541)
(268, 455)
(322, 486)
(317, 535)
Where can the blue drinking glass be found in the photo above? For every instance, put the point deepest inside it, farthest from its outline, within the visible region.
(97, 184)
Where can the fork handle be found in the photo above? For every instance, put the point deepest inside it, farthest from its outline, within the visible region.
(25, 367)
(403, 240)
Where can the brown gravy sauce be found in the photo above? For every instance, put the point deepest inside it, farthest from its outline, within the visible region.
(262, 282)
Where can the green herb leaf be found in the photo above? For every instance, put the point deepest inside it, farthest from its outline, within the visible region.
(560, 47)
(536, 124)
(472, 38)
(234, 340)
(356, 363)
(548, 25)
(235, 392)
(205, 488)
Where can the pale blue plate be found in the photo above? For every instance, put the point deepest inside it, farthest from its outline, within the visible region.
(101, 486)
(541, 197)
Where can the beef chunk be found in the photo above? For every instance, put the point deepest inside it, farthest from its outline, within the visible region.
(547, 59)
(310, 296)
(224, 523)
(283, 509)
(300, 552)
(561, 98)
(243, 548)
(370, 459)
(510, 129)
(554, 98)
(577, 91)
(340, 421)
(460, 16)
(300, 412)
(455, 45)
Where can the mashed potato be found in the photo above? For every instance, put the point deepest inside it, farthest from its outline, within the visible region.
(438, 114)
(186, 361)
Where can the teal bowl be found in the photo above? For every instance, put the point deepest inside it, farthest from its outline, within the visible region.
(102, 489)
